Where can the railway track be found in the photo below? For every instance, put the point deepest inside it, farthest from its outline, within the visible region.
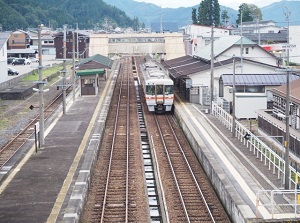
(118, 191)
(191, 196)
(13, 146)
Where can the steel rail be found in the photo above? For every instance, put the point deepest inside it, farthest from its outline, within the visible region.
(27, 128)
(111, 155)
(172, 170)
(191, 171)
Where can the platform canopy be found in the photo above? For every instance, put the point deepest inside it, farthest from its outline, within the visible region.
(90, 72)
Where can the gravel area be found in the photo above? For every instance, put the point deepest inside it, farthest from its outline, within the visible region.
(15, 115)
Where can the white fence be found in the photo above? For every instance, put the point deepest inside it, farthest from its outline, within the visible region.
(266, 155)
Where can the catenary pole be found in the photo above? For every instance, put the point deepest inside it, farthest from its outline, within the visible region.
(212, 69)
(233, 100)
(41, 84)
(64, 68)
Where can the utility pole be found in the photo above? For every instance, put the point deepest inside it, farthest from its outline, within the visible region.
(212, 68)
(41, 84)
(233, 99)
(64, 68)
(73, 57)
(242, 50)
(287, 132)
(77, 49)
(287, 113)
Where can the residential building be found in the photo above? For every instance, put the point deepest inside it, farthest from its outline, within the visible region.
(47, 41)
(267, 26)
(82, 41)
(4, 36)
(18, 40)
(200, 36)
(228, 46)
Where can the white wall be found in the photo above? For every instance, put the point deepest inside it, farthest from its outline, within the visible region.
(255, 53)
(295, 41)
(3, 63)
(203, 78)
(247, 104)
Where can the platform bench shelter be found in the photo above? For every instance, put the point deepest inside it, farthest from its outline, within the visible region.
(89, 80)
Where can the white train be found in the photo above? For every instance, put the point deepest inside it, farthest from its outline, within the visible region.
(158, 88)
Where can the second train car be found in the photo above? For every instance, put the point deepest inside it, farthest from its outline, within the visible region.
(158, 88)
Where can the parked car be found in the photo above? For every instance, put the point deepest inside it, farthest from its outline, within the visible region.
(17, 61)
(11, 71)
(23, 61)
(10, 60)
(33, 59)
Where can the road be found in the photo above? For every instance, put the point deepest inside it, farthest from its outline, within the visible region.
(47, 60)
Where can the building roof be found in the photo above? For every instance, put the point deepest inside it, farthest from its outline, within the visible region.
(256, 79)
(294, 89)
(188, 65)
(99, 59)
(222, 44)
(90, 72)
(274, 37)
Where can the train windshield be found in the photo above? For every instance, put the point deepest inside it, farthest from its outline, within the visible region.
(169, 89)
(150, 89)
(159, 89)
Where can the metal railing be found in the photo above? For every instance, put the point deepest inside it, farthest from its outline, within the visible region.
(259, 148)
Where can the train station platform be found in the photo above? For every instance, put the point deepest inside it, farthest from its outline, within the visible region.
(51, 185)
(248, 185)
(39, 188)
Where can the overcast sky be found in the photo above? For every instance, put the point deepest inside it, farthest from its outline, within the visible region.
(188, 3)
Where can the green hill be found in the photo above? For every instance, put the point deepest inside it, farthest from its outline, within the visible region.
(21, 14)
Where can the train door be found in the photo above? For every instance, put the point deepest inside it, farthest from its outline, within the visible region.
(159, 96)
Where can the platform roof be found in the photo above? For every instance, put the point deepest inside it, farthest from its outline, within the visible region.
(90, 72)
(257, 79)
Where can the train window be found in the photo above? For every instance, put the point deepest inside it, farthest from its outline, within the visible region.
(169, 89)
(159, 89)
(150, 89)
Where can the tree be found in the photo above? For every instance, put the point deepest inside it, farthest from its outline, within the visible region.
(209, 13)
(224, 18)
(249, 12)
(194, 16)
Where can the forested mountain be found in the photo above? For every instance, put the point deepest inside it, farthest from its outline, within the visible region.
(148, 13)
(21, 14)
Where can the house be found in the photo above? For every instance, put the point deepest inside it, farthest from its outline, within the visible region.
(18, 40)
(267, 26)
(229, 46)
(192, 75)
(47, 41)
(253, 91)
(4, 36)
(81, 39)
(200, 36)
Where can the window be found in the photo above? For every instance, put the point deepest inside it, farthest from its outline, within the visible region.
(247, 50)
(169, 89)
(159, 89)
(150, 89)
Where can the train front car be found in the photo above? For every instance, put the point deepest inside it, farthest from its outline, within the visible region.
(158, 88)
